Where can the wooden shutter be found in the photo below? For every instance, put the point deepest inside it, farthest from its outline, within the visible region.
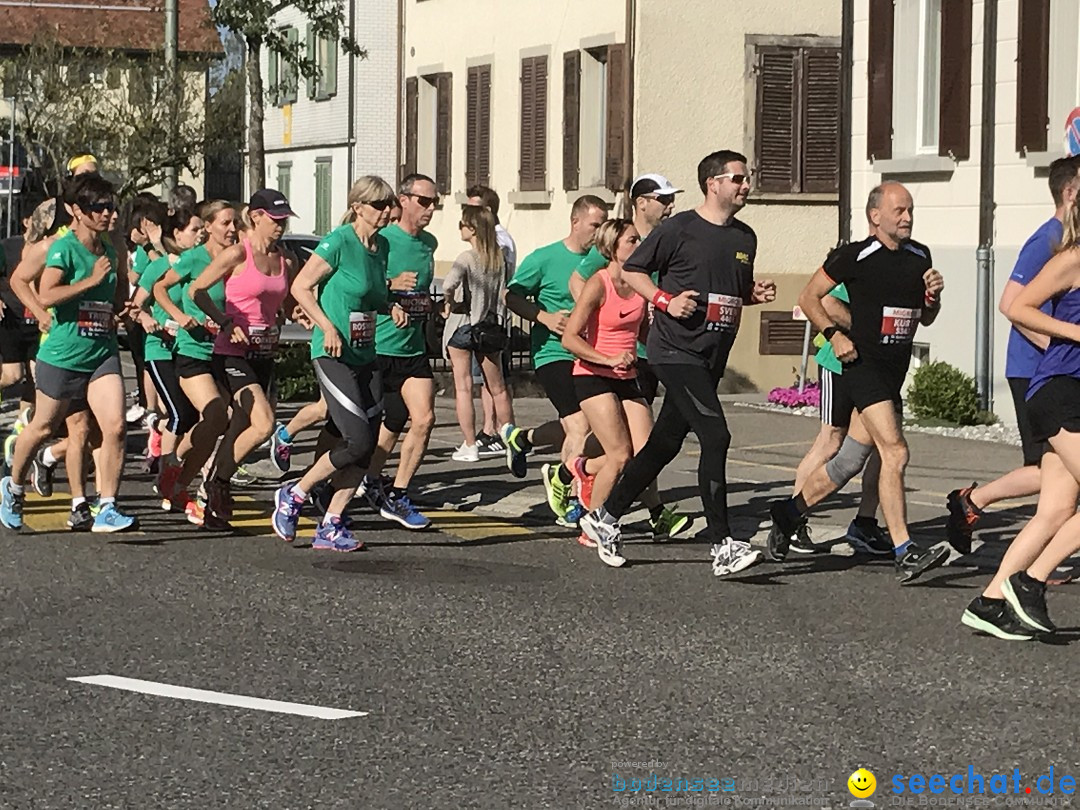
(879, 70)
(954, 111)
(533, 169)
(615, 170)
(478, 126)
(443, 130)
(329, 82)
(272, 76)
(313, 55)
(571, 154)
(1033, 76)
(780, 333)
(412, 122)
(778, 119)
(290, 73)
(821, 120)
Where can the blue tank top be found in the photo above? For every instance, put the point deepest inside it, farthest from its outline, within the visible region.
(1062, 357)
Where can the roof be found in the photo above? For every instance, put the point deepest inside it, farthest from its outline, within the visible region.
(129, 25)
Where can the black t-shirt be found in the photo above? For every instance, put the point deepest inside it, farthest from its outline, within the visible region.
(887, 295)
(10, 254)
(690, 253)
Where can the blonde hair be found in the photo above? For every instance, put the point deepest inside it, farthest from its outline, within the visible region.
(367, 189)
(1070, 234)
(608, 236)
(209, 210)
(243, 219)
(482, 222)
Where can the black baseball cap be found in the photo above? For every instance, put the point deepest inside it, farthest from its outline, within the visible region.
(271, 201)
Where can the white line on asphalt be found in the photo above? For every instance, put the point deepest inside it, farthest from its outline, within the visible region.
(222, 698)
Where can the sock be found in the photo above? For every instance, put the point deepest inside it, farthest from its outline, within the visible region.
(16, 489)
(790, 514)
(47, 458)
(76, 503)
(564, 475)
(865, 523)
(604, 515)
(901, 549)
(106, 501)
(989, 600)
(330, 517)
(283, 434)
(1024, 576)
(800, 504)
(298, 494)
(654, 511)
(398, 492)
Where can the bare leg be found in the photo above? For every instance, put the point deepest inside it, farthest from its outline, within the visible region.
(419, 396)
(105, 396)
(461, 362)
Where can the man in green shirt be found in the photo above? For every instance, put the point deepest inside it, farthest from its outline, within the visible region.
(540, 293)
(407, 380)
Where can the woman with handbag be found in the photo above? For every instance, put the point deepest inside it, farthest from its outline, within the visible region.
(473, 291)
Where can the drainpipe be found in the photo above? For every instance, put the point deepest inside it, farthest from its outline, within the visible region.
(847, 37)
(351, 138)
(984, 255)
(628, 111)
(399, 88)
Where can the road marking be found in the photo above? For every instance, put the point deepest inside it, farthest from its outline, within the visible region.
(221, 698)
(45, 515)
(252, 517)
(475, 526)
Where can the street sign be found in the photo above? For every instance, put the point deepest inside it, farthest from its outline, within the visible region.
(1072, 133)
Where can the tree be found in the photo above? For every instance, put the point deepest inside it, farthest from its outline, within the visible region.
(254, 21)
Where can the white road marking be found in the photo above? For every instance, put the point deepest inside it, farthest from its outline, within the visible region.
(222, 698)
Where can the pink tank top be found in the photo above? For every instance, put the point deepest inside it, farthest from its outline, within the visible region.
(252, 300)
(612, 329)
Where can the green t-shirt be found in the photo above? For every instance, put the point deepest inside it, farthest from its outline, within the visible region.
(408, 254)
(352, 294)
(826, 357)
(83, 333)
(156, 348)
(197, 343)
(140, 261)
(545, 276)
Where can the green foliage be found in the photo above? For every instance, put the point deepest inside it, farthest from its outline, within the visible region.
(941, 391)
(295, 373)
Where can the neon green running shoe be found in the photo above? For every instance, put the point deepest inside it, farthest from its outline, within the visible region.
(558, 493)
(668, 524)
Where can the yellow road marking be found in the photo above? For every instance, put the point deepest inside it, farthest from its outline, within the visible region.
(44, 515)
(474, 526)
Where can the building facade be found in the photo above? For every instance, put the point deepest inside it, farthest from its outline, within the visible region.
(320, 135)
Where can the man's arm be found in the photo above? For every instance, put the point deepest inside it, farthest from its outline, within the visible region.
(810, 300)
(1008, 296)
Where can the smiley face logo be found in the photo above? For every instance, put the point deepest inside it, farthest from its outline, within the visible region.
(862, 784)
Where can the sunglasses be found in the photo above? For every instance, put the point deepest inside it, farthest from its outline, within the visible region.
(737, 179)
(101, 207)
(425, 202)
(382, 205)
(663, 199)
(465, 225)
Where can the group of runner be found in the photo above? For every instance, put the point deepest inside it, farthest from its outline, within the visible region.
(616, 307)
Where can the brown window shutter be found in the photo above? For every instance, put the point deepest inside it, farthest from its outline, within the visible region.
(444, 83)
(821, 120)
(533, 173)
(571, 154)
(472, 126)
(879, 70)
(528, 103)
(780, 333)
(615, 171)
(412, 109)
(483, 131)
(1033, 76)
(778, 119)
(954, 127)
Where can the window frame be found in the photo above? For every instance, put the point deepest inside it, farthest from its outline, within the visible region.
(324, 212)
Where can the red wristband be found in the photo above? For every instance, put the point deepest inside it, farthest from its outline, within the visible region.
(931, 300)
(661, 300)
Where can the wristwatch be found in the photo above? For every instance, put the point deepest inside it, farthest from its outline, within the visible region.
(829, 331)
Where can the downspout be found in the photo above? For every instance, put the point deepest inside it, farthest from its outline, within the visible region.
(399, 88)
(847, 38)
(984, 255)
(350, 160)
(628, 111)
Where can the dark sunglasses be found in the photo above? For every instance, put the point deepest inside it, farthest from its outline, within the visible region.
(97, 208)
(663, 199)
(425, 202)
(382, 205)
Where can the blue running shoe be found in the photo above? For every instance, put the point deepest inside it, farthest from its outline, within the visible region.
(517, 449)
(11, 506)
(401, 509)
(573, 514)
(286, 513)
(335, 536)
(110, 519)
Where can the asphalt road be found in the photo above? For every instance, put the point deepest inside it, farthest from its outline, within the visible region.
(500, 665)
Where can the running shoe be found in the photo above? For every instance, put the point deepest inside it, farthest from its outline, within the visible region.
(166, 485)
(489, 446)
(467, 453)
(963, 515)
(110, 519)
(801, 543)
(400, 508)
(732, 556)
(197, 514)
(584, 540)
(219, 498)
(41, 475)
(335, 536)
(94, 502)
(286, 513)
(668, 524)
(606, 536)
(280, 450)
(584, 480)
(9, 449)
(135, 414)
(11, 505)
(80, 519)
(374, 490)
(872, 541)
(558, 493)
(516, 455)
(995, 618)
(154, 441)
(1027, 598)
(916, 561)
(574, 512)
(783, 527)
(242, 477)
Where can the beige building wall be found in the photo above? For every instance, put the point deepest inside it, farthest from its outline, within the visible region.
(452, 36)
(694, 91)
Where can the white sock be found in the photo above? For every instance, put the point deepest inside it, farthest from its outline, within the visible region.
(47, 458)
(106, 501)
(329, 517)
(76, 503)
(16, 489)
(298, 494)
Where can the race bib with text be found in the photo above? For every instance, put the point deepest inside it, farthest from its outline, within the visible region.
(723, 313)
(898, 324)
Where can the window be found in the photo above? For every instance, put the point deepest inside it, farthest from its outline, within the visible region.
(797, 114)
(323, 52)
(1033, 67)
(532, 168)
(284, 179)
(478, 126)
(593, 126)
(322, 195)
(428, 110)
(1064, 86)
(282, 77)
(916, 85)
(930, 75)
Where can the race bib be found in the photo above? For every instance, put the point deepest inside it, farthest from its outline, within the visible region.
(898, 324)
(171, 327)
(723, 313)
(211, 327)
(28, 317)
(262, 341)
(361, 329)
(95, 319)
(417, 305)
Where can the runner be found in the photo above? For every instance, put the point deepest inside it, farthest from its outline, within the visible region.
(1022, 356)
(342, 288)
(82, 164)
(407, 379)
(194, 352)
(603, 333)
(544, 277)
(257, 275)
(704, 260)
(80, 358)
(474, 333)
(893, 288)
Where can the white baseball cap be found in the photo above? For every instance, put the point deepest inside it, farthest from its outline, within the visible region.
(652, 184)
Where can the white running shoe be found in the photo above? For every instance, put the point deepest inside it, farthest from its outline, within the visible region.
(135, 413)
(608, 539)
(733, 556)
(467, 452)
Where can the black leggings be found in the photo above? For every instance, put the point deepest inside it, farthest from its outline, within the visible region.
(690, 403)
(354, 405)
(137, 344)
(181, 414)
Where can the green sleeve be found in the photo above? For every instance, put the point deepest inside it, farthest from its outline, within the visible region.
(329, 249)
(591, 262)
(527, 278)
(60, 258)
(153, 273)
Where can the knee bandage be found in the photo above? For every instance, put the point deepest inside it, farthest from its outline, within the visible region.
(849, 462)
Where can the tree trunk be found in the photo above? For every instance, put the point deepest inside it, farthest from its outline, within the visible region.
(256, 157)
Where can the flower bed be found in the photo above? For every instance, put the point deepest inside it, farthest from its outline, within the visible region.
(791, 398)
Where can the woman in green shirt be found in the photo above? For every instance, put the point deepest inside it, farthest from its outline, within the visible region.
(80, 358)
